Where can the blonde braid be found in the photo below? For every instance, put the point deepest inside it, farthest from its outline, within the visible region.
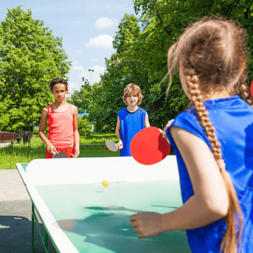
(202, 113)
(234, 216)
(245, 93)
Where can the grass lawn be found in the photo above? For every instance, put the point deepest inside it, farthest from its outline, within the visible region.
(24, 153)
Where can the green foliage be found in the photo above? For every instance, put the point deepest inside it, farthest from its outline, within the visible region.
(82, 98)
(36, 149)
(141, 46)
(170, 17)
(98, 138)
(84, 126)
(70, 101)
(30, 57)
(107, 95)
(128, 31)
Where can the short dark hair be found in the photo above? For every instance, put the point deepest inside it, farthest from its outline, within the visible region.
(58, 80)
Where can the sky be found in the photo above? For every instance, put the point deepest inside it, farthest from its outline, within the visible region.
(87, 28)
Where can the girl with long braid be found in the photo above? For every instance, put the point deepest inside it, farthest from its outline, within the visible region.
(213, 142)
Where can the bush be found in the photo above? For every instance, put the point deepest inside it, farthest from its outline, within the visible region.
(84, 127)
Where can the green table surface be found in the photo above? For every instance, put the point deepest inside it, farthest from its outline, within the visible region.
(24, 166)
(96, 218)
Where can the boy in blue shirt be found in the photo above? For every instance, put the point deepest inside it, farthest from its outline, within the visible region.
(131, 119)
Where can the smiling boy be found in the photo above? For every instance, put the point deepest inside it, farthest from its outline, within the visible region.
(131, 119)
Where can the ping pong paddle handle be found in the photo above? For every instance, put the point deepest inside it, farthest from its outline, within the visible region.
(164, 136)
(119, 145)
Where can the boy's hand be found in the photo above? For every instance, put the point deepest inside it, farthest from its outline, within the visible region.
(166, 127)
(76, 152)
(146, 224)
(119, 145)
(51, 149)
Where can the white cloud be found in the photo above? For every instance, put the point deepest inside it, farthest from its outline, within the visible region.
(93, 77)
(76, 66)
(73, 86)
(101, 41)
(105, 22)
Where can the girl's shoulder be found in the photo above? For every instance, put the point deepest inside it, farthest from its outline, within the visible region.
(188, 120)
(187, 116)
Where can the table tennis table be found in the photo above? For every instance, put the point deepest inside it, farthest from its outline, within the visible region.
(80, 215)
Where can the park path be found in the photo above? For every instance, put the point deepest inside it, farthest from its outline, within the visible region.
(4, 144)
(15, 216)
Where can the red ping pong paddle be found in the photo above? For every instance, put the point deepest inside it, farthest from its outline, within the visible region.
(60, 155)
(251, 89)
(111, 146)
(148, 146)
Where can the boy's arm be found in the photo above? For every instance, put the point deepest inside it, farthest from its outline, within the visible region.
(43, 122)
(117, 131)
(146, 123)
(76, 133)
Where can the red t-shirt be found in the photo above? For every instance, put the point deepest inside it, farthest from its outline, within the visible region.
(61, 127)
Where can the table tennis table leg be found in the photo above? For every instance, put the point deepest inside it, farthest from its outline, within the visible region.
(43, 235)
(46, 239)
(33, 227)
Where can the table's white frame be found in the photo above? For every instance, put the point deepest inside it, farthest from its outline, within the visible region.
(113, 169)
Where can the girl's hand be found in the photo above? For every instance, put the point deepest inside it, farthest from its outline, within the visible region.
(51, 149)
(119, 145)
(166, 127)
(76, 152)
(146, 224)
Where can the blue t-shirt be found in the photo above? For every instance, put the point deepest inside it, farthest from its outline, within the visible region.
(130, 124)
(233, 121)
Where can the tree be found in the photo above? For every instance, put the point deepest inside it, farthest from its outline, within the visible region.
(82, 98)
(134, 62)
(30, 57)
(84, 127)
(141, 56)
(128, 31)
(107, 95)
(173, 16)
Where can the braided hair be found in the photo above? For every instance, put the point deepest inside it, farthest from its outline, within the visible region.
(211, 53)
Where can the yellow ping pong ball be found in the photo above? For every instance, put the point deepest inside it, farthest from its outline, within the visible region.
(105, 183)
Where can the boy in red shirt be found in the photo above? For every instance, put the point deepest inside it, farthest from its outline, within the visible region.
(63, 127)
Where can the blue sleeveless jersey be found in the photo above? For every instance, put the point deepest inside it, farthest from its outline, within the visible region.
(233, 121)
(130, 124)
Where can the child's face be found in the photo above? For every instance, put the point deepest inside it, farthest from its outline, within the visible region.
(59, 92)
(132, 100)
